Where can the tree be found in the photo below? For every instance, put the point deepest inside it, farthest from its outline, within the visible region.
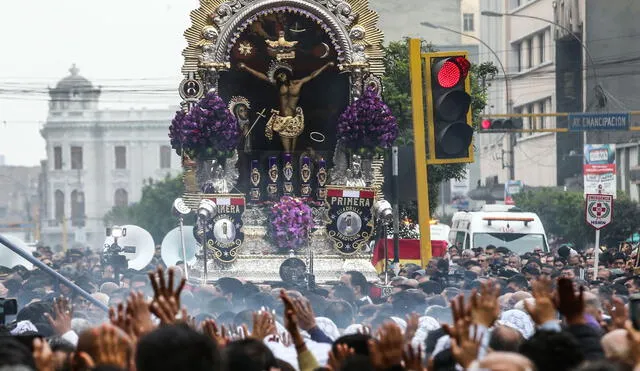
(153, 211)
(562, 214)
(397, 95)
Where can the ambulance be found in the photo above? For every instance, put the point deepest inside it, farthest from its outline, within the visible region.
(498, 225)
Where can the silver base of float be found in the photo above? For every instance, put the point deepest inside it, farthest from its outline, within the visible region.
(259, 261)
(265, 268)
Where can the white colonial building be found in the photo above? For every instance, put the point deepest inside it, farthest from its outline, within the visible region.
(526, 49)
(97, 159)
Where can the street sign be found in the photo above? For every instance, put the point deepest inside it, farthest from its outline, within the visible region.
(599, 121)
(598, 210)
(599, 169)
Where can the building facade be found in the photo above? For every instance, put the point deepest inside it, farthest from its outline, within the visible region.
(97, 159)
(400, 19)
(525, 48)
(19, 200)
(612, 77)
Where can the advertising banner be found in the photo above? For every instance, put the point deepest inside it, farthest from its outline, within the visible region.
(511, 188)
(599, 169)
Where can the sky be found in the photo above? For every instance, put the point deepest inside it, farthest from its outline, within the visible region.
(116, 44)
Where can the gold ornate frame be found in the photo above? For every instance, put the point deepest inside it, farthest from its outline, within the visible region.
(216, 24)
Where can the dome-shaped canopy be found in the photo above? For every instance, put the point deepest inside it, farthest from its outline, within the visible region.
(74, 81)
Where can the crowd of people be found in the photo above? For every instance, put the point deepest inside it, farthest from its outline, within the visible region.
(479, 309)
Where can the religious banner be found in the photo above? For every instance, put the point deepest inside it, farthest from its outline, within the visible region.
(224, 232)
(350, 211)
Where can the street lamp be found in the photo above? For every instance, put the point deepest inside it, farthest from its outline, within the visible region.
(597, 88)
(507, 83)
(504, 71)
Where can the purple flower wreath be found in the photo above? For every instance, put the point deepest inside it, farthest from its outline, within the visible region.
(291, 222)
(368, 125)
(208, 130)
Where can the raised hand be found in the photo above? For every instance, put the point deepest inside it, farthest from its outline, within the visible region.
(118, 317)
(388, 350)
(167, 310)
(464, 345)
(484, 308)
(412, 359)
(413, 322)
(263, 325)
(162, 288)
(570, 304)
(618, 313)
(139, 315)
(62, 315)
(112, 349)
(291, 322)
(339, 356)
(305, 315)
(42, 355)
(210, 328)
(544, 309)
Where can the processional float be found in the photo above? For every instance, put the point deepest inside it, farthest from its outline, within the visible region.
(283, 131)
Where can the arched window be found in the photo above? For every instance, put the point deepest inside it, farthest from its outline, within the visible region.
(121, 198)
(59, 205)
(77, 208)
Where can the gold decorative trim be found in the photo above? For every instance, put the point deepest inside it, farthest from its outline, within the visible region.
(206, 20)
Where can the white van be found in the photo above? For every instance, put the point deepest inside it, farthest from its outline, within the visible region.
(498, 225)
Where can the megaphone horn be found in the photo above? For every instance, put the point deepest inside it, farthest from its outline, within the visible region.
(171, 251)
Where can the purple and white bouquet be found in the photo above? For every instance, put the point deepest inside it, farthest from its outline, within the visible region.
(367, 125)
(208, 130)
(291, 222)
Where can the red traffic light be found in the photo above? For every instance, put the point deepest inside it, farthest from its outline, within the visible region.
(451, 71)
(501, 124)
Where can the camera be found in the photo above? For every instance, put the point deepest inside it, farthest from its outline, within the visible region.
(8, 307)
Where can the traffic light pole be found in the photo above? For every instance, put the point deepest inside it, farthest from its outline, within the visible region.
(420, 150)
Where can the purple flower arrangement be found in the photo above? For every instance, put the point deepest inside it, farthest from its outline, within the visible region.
(367, 125)
(208, 130)
(291, 222)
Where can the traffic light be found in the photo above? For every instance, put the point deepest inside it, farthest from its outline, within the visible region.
(501, 124)
(450, 130)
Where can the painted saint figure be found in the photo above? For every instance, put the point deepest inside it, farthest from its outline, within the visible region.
(288, 121)
(240, 106)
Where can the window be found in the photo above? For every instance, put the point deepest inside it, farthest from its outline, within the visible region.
(518, 48)
(77, 209)
(76, 158)
(121, 198)
(165, 157)
(121, 157)
(529, 45)
(541, 123)
(57, 158)
(59, 205)
(542, 47)
(467, 21)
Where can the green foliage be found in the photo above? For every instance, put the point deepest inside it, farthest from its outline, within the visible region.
(153, 212)
(562, 214)
(397, 95)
